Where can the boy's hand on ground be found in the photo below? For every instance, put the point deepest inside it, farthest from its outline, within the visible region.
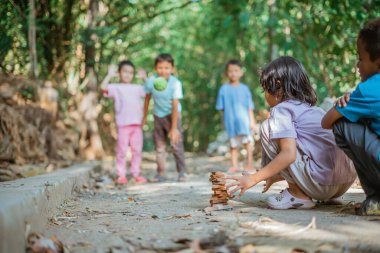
(242, 184)
(343, 100)
(174, 136)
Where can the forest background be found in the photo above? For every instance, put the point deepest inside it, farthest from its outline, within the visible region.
(70, 43)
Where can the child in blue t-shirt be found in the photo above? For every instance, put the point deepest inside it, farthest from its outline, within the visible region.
(235, 100)
(166, 92)
(356, 125)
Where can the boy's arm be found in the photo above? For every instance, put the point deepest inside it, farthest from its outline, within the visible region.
(146, 108)
(222, 118)
(330, 117)
(174, 133)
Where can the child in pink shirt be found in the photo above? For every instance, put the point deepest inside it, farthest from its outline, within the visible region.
(128, 113)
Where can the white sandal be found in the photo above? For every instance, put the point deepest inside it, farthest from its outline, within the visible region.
(285, 200)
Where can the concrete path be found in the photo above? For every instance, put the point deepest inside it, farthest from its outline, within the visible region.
(26, 204)
(168, 217)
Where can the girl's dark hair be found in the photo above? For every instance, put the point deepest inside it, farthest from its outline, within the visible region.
(124, 63)
(233, 62)
(286, 78)
(370, 35)
(164, 57)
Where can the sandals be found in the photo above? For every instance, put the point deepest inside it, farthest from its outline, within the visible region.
(285, 200)
(369, 207)
(182, 177)
(158, 179)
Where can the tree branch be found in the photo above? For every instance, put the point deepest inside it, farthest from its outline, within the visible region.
(149, 16)
(18, 9)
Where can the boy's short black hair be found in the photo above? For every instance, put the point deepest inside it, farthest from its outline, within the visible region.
(124, 63)
(286, 78)
(233, 62)
(164, 57)
(370, 35)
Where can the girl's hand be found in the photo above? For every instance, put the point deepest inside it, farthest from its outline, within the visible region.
(242, 184)
(343, 100)
(268, 184)
(112, 70)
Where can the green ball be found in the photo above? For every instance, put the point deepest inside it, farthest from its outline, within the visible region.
(160, 83)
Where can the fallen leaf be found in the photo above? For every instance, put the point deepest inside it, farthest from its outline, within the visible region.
(215, 220)
(55, 221)
(181, 216)
(39, 243)
(296, 250)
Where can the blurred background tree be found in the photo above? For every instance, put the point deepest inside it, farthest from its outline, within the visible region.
(77, 39)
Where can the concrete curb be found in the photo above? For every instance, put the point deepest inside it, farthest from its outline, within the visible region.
(29, 202)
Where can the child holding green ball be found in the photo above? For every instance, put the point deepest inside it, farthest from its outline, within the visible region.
(166, 91)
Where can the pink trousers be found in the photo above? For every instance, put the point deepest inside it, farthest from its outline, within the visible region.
(131, 136)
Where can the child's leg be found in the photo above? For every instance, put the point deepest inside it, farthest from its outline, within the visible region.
(362, 146)
(136, 143)
(121, 150)
(234, 157)
(160, 133)
(179, 151)
(249, 148)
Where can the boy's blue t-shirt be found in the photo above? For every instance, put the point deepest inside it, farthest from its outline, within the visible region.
(365, 103)
(163, 99)
(235, 101)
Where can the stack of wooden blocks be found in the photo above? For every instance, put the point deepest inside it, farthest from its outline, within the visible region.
(220, 195)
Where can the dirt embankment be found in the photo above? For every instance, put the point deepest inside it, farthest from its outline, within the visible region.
(31, 132)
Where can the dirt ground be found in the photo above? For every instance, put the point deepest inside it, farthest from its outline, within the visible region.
(169, 217)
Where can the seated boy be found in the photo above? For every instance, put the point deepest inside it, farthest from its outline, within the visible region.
(357, 125)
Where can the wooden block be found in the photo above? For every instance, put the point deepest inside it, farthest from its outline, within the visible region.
(218, 201)
(220, 192)
(217, 187)
(217, 179)
(219, 183)
(217, 175)
(219, 197)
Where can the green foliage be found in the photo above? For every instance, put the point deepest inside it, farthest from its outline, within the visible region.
(202, 36)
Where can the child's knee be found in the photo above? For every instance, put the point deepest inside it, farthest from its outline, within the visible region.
(338, 127)
(341, 131)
